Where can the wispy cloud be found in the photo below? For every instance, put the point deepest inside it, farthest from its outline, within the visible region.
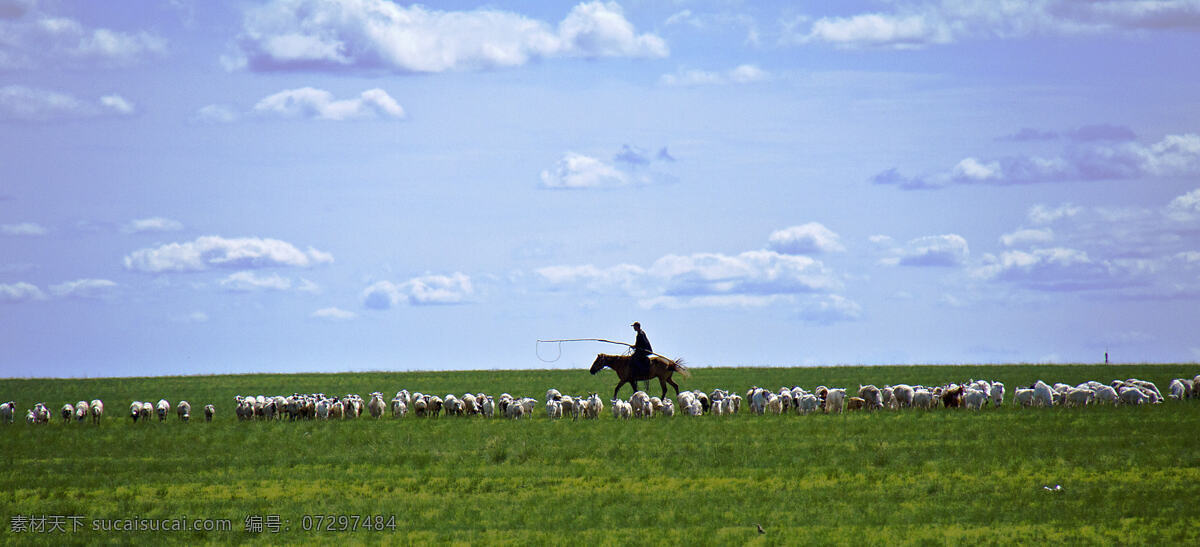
(25, 104)
(20, 292)
(152, 224)
(22, 229)
(30, 37)
(630, 166)
(742, 74)
(333, 314)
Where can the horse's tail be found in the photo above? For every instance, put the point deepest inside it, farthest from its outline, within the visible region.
(677, 366)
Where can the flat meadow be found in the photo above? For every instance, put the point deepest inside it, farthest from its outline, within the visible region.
(1125, 474)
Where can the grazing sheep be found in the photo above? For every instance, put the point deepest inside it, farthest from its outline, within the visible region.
(337, 410)
(1131, 395)
(323, 407)
(903, 394)
(1105, 394)
(595, 407)
(209, 412)
(872, 396)
(184, 409)
(135, 411)
(974, 399)
(470, 404)
(515, 411)
(68, 411)
(1078, 397)
(81, 411)
(758, 400)
(996, 392)
(668, 408)
(29, 417)
(621, 409)
(453, 405)
(694, 408)
(553, 409)
(924, 399)
(6, 412)
(1042, 394)
(488, 406)
(835, 400)
(1177, 389)
(376, 406)
(808, 403)
(640, 402)
(1196, 387)
(952, 396)
(162, 408)
(774, 404)
(399, 408)
(420, 405)
(856, 403)
(528, 403)
(1023, 397)
(553, 394)
(434, 405)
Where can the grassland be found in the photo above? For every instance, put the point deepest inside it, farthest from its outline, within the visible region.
(1128, 474)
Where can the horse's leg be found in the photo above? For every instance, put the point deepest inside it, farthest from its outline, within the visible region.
(618, 390)
(674, 385)
(662, 383)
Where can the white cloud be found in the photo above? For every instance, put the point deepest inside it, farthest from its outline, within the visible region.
(318, 104)
(375, 35)
(333, 314)
(84, 288)
(215, 113)
(20, 292)
(879, 30)
(426, 290)
(246, 281)
(1174, 155)
(25, 104)
(912, 25)
(152, 224)
(22, 229)
(831, 309)
(749, 279)
(810, 238)
(30, 38)
(631, 166)
(1042, 214)
(1027, 236)
(194, 317)
(217, 252)
(1186, 206)
(1052, 269)
(742, 74)
(576, 171)
(939, 250)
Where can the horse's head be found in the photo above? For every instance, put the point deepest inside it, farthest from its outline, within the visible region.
(599, 364)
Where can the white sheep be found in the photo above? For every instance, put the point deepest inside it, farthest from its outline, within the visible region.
(184, 409)
(1079, 397)
(668, 408)
(1131, 395)
(68, 412)
(553, 409)
(923, 398)
(209, 412)
(774, 403)
(376, 406)
(808, 403)
(81, 411)
(1178, 390)
(553, 394)
(695, 408)
(996, 391)
(641, 405)
(29, 417)
(399, 407)
(594, 408)
(974, 399)
(323, 407)
(1023, 397)
(1042, 394)
(470, 404)
(835, 400)
(488, 405)
(758, 400)
(1105, 394)
(904, 395)
(162, 408)
(872, 396)
(6, 412)
(453, 405)
(515, 410)
(135, 410)
(420, 406)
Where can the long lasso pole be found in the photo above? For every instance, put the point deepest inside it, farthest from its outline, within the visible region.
(561, 340)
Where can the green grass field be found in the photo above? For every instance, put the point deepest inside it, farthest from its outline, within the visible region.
(1128, 474)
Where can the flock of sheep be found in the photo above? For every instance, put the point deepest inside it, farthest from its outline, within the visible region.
(972, 395)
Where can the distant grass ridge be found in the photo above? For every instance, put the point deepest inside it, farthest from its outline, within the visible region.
(945, 476)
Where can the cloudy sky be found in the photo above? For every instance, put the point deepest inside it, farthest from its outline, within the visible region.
(326, 185)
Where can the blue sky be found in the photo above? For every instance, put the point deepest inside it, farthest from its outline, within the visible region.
(302, 185)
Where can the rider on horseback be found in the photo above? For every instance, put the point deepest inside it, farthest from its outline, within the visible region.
(641, 355)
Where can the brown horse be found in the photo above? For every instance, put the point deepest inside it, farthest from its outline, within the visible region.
(660, 367)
